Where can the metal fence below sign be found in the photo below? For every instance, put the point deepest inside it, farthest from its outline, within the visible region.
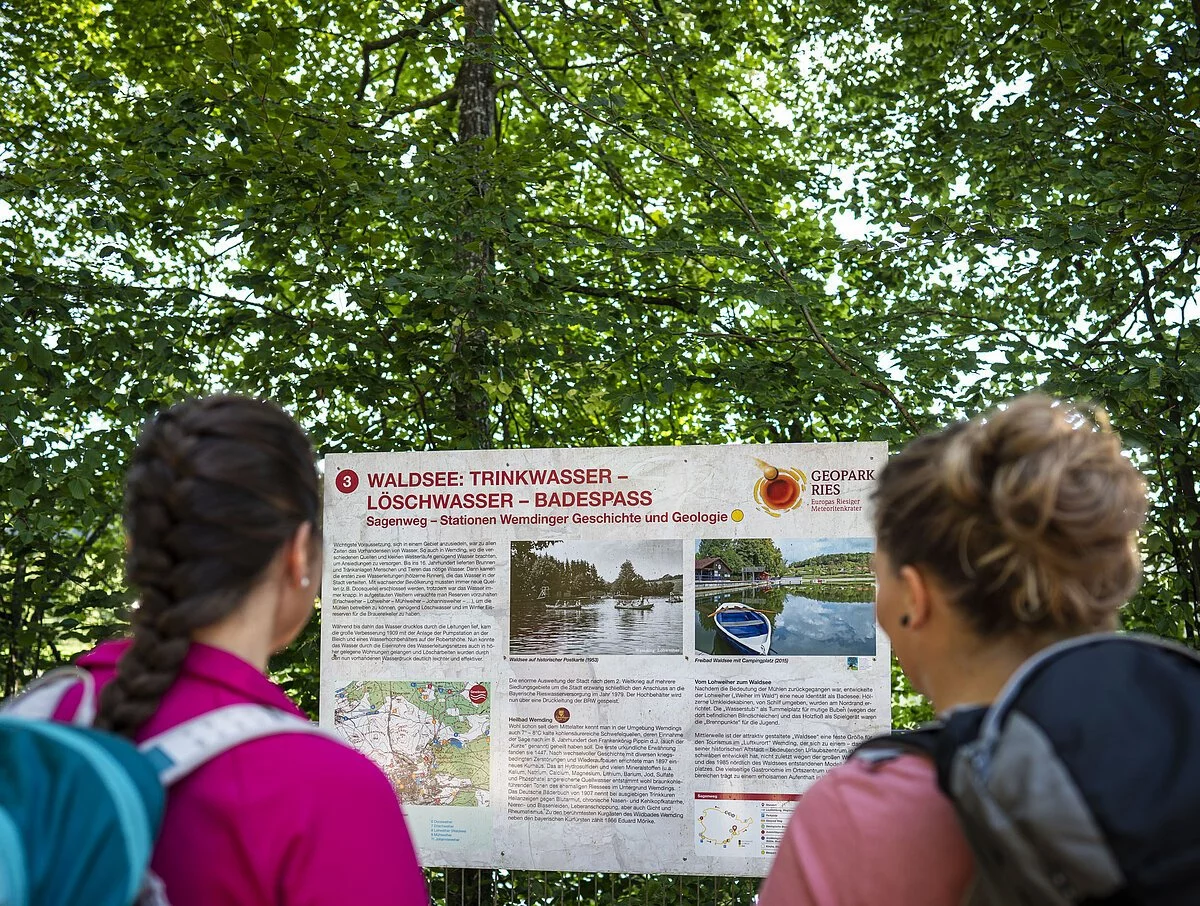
(487, 887)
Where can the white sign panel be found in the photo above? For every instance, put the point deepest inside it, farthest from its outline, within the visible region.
(627, 659)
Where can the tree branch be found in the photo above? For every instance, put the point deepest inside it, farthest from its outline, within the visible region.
(1143, 297)
(397, 70)
(600, 292)
(440, 98)
(66, 574)
(430, 16)
(730, 191)
(545, 67)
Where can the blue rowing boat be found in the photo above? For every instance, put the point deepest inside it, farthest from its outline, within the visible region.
(743, 627)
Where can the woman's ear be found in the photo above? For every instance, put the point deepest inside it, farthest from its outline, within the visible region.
(919, 592)
(299, 562)
(300, 579)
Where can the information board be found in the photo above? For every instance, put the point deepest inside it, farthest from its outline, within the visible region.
(607, 659)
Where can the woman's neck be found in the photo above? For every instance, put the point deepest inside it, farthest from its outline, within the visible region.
(979, 669)
(247, 633)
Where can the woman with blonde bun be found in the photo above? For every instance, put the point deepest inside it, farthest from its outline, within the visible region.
(995, 538)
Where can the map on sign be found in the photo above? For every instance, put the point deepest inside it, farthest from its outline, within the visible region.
(721, 827)
(432, 739)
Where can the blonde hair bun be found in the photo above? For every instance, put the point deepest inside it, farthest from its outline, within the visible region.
(1028, 515)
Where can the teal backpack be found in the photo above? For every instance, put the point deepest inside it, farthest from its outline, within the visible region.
(80, 808)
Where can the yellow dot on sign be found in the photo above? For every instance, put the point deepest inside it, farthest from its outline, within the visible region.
(737, 515)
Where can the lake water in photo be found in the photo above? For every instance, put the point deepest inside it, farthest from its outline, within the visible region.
(803, 619)
(596, 628)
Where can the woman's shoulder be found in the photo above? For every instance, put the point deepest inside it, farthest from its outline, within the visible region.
(312, 753)
(872, 832)
(311, 783)
(872, 795)
(907, 776)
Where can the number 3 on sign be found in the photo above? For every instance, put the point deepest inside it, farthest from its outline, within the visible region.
(346, 481)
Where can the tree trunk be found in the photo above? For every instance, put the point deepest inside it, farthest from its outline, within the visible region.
(476, 85)
(477, 82)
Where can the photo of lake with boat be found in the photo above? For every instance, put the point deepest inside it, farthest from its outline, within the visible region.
(795, 597)
(596, 597)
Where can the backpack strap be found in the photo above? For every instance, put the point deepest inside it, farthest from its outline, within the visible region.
(990, 728)
(938, 741)
(177, 752)
(885, 747)
(42, 698)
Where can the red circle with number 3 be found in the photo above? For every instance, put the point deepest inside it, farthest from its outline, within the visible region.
(346, 481)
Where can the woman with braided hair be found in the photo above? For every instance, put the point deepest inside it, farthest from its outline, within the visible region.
(995, 539)
(221, 510)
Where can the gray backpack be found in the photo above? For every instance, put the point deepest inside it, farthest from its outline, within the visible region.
(1080, 784)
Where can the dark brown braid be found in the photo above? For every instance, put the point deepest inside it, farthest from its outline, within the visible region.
(214, 489)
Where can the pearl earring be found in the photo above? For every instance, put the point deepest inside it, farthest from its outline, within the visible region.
(304, 582)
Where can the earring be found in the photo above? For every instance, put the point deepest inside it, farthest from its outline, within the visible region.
(304, 582)
(905, 619)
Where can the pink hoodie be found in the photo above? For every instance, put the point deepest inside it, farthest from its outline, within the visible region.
(868, 834)
(291, 820)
